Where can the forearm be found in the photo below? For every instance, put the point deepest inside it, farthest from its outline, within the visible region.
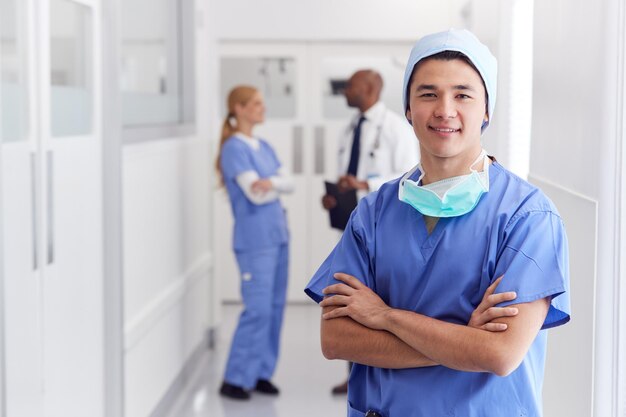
(455, 346)
(283, 184)
(261, 198)
(245, 181)
(466, 348)
(343, 338)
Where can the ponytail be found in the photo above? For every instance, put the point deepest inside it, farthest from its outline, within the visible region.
(238, 95)
(227, 131)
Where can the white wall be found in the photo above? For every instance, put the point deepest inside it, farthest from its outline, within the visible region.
(208, 118)
(575, 141)
(335, 20)
(168, 285)
(2, 280)
(167, 264)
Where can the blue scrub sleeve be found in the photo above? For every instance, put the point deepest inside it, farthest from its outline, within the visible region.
(235, 159)
(275, 159)
(535, 263)
(352, 255)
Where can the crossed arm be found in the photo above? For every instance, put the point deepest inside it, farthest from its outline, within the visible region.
(264, 190)
(358, 326)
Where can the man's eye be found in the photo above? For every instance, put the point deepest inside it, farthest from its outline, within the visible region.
(427, 95)
(463, 96)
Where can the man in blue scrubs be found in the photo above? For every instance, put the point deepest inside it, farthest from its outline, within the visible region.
(400, 290)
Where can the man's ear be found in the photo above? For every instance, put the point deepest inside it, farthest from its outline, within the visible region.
(408, 115)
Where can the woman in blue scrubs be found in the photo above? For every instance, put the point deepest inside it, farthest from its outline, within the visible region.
(254, 179)
(402, 287)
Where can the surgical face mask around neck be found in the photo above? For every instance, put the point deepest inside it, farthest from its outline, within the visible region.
(450, 197)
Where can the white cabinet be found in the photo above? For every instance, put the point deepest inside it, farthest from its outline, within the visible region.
(51, 209)
(306, 114)
(22, 285)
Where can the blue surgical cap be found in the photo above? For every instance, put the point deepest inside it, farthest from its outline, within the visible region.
(468, 44)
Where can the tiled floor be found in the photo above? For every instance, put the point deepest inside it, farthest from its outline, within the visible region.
(303, 375)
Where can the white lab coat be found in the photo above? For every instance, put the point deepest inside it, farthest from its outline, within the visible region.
(389, 147)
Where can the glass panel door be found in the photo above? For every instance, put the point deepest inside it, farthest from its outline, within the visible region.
(151, 62)
(71, 95)
(13, 88)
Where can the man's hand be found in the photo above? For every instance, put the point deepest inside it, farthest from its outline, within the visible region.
(349, 182)
(262, 186)
(329, 202)
(486, 312)
(357, 301)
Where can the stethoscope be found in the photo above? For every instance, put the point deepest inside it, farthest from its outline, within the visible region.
(379, 132)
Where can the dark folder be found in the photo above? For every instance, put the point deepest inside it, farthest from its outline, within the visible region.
(346, 202)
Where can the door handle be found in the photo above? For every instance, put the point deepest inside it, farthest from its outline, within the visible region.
(298, 145)
(319, 150)
(50, 207)
(34, 209)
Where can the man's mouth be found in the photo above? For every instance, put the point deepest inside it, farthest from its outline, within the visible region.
(444, 129)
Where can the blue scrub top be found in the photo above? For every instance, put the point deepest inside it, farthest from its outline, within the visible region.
(257, 226)
(514, 231)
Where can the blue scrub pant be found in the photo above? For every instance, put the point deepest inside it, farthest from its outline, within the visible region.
(255, 346)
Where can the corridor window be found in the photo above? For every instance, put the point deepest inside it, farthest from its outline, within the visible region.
(13, 90)
(156, 63)
(71, 54)
(273, 76)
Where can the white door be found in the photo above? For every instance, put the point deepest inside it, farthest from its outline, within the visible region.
(72, 190)
(51, 213)
(306, 113)
(23, 362)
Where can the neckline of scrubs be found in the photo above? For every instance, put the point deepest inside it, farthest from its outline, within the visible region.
(429, 241)
(252, 142)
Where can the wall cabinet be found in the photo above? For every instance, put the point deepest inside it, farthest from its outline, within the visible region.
(52, 208)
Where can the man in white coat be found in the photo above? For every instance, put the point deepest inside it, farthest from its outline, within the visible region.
(377, 146)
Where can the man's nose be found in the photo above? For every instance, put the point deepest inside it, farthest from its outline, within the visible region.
(445, 108)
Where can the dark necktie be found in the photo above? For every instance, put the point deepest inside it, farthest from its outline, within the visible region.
(356, 148)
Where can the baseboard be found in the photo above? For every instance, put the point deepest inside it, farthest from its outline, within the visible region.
(167, 403)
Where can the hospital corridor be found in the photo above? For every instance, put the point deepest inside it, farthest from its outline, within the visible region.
(361, 208)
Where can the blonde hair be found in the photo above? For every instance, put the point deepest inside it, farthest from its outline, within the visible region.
(238, 95)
